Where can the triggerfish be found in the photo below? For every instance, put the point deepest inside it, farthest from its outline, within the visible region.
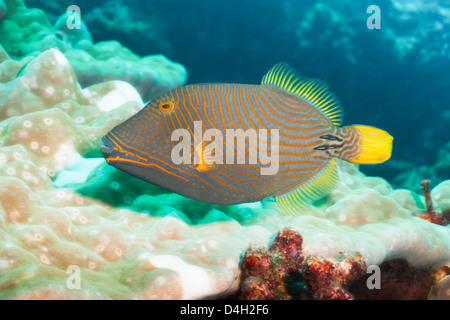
(233, 143)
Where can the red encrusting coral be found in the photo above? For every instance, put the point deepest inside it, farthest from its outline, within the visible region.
(327, 278)
(269, 274)
(265, 272)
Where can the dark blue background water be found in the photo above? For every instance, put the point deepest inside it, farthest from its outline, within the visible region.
(396, 78)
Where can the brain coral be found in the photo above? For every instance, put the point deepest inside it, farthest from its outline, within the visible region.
(72, 228)
(25, 31)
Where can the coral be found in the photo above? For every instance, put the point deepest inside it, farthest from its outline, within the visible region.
(65, 215)
(377, 237)
(410, 38)
(142, 26)
(108, 60)
(441, 290)
(328, 278)
(120, 254)
(430, 214)
(48, 119)
(400, 281)
(439, 194)
(8, 67)
(281, 272)
(28, 32)
(71, 36)
(266, 273)
(269, 274)
(151, 250)
(48, 233)
(344, 19)
(408, 174)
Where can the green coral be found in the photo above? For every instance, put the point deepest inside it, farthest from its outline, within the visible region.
(75, 35)
(25, 32)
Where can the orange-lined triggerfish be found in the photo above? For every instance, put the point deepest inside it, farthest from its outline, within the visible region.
(232, 143)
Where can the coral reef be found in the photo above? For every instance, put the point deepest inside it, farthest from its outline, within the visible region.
(65, 211)
(406, 174)
(281, 272)
(25, 32)
(441, 290)
(73, 228)
(410, 38)
(119, 254)
(340, 16)
(120, 19)
(400, 281)
(140, 26)
(266, 273)
(49, 120)
(327, 279)
(363, 214)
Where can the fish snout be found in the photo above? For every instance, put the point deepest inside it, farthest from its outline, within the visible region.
(106, 148)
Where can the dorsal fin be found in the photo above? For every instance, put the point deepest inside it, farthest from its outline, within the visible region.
(315, 91)
(315, 188)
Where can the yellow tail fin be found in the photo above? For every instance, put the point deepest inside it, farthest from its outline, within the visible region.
(375, 145)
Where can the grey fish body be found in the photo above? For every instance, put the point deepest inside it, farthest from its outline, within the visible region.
(234, 143)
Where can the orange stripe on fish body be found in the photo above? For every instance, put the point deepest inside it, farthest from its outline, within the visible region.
(233, 143)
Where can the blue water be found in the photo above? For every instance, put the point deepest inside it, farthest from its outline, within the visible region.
(396, 77)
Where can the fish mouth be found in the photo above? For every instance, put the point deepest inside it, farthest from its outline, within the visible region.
(106, 148)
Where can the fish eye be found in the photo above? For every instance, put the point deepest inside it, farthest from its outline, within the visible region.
(166, 106)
